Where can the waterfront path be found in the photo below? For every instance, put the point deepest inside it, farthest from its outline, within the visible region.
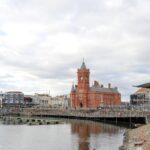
(136, 116)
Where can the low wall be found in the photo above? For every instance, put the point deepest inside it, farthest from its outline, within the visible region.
(125, 116)
(131, 122)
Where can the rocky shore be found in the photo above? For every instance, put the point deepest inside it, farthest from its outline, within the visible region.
(137, 139)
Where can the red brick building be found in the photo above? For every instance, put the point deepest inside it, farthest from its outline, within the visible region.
(84, 96)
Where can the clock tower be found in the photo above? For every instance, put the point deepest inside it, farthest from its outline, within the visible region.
(83, 85)
(85, 96)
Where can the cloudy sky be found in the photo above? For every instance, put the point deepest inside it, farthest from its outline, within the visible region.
(43, 42)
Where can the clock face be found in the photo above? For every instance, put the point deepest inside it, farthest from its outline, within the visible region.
(81, 78)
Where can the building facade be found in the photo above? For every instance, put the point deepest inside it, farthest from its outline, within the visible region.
(141, 96)
(42, 100)
(13, 98)
(28, 101)
(60, 101)
(2, 96)
(84, 96)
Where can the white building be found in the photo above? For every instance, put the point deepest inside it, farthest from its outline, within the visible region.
(42, 100)
(141, 96)
(45, 100)
(61, 101)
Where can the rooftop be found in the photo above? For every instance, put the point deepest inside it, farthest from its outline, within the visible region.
(83, 66)
(96, 87)
(14, 92)
(142, 91)
(146, 85)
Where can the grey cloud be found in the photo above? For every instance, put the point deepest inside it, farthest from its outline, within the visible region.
(2, 33)
(112, 36)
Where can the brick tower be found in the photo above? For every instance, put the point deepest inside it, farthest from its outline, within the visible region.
(83, 86)
(85, 96)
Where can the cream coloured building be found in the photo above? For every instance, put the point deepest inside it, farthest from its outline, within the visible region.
(61, 101)
(43, 100)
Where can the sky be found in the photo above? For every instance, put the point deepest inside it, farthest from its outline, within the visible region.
(43, 42)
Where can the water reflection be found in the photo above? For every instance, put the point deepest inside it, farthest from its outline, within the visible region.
(70, 135)
(85, 130)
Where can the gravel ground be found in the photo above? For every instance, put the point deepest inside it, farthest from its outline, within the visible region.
(137, 139)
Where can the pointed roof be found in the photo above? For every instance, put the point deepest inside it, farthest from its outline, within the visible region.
(73, 88)
(83, 66)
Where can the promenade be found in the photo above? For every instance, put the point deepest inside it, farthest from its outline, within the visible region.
(114, 115)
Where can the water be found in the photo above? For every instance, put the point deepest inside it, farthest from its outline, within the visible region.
(71, 135)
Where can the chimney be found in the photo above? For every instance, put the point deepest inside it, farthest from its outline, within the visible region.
(109, 85)
(96, 83)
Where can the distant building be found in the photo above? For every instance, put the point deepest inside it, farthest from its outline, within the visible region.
(28, 101)
(43, 100)
(141, 96)
(61, 101)
(84, 96)
(56, 102)
(67, 101)
(2, 95)
(125, 103)
(13, 98)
